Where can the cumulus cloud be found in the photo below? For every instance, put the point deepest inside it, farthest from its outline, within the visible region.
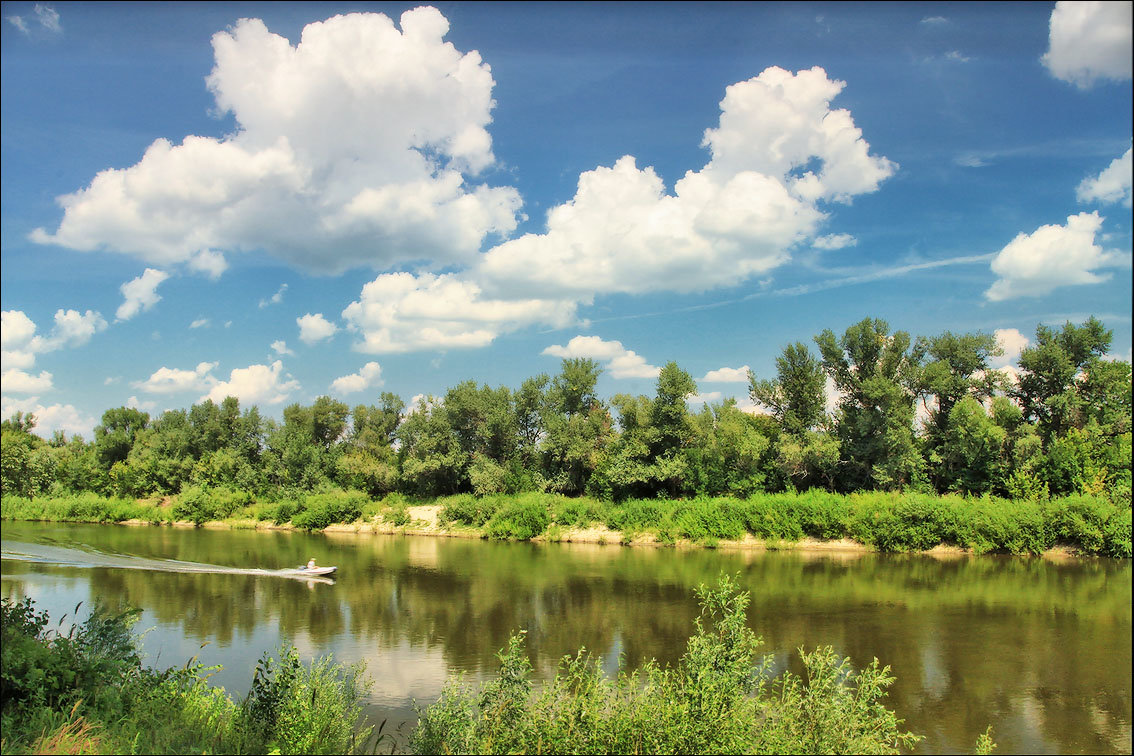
(140, 293)
(1051, 256)
(778, 151)
(255, 384)
(48, 419)
(208, 262)
(19, 382)
(134, 403)
(352, 148)
(199, 323)
(834, 241)
(368, 376)
(619, 361)
(1112, 185)
(315, 328)
(400, 312)
(173, 380)
(727, 375)
(703, 398)
(280, 347)
(1012, 342)
(19, 345)
(1089, 41)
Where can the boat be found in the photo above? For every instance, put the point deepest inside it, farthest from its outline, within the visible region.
(314, 571)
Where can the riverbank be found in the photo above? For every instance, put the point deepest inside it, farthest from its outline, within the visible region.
(810, 521)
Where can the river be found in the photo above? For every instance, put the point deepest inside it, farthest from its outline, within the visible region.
(1040, 649)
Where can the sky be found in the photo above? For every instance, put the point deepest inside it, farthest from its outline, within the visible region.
(281, 201)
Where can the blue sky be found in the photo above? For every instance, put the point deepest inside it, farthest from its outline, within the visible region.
(282, 201)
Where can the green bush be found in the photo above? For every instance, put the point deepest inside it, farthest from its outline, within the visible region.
(719, 698)
(201, 504)
(87, 692)
(579, 512)
(312, 708)
(521, 519)
(467, 509)
(323, 509)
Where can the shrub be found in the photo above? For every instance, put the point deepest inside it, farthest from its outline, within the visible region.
(468, 510)
(323, 509)
(201, 504)
(521, 519)
(311, 708)
(718, 699)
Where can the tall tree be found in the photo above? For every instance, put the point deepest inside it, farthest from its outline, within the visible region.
(875, 372)
(1046, 391)
(796, 397)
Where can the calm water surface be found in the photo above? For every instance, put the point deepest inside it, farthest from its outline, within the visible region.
(1039, 649)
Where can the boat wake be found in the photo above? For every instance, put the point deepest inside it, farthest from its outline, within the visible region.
(76, 555)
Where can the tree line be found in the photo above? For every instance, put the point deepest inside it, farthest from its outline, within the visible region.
(1058, 424)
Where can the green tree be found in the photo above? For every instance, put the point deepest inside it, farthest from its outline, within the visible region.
(875, 372)
(797, 398)
(1049, 367)
(114, 437)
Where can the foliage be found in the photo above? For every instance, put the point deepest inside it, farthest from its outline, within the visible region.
(521, 518)
(719, 698)
(319, 510)
(86, 691)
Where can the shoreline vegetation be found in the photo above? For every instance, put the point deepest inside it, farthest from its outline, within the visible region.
(88, 691)
(1079, 525)
(895, 443)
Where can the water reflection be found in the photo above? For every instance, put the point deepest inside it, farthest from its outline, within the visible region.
(1039, 649)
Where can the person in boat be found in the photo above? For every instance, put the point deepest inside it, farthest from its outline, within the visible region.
(311, 563)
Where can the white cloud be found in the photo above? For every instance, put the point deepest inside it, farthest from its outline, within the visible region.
(19, 382)
(48, 18)
(199, 323)
(352, 148)
(778, 151)
(834, 241)
(208, 262)
(401, 312)
(64, 417)
(368, 376)
(19, 345)
(1112, 185)
(1090, 41)
(727, 375)
(957, 56)
(315, 328)
(134, 403)
(45, 15)
(1012, 342)
(934, 20)
(1051, 256)
(280, 347)
(173, 380)
(703, 398)
(274, 299)
(140, 293)
(111, 380)
(620, 361)
(255, 384)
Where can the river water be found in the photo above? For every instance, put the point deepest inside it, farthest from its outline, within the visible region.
(1039, 649)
